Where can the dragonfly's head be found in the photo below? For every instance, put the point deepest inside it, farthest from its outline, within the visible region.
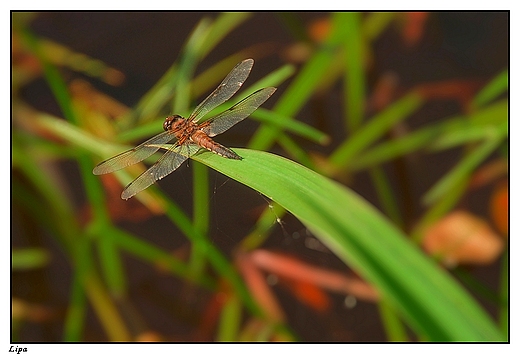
(170, 121)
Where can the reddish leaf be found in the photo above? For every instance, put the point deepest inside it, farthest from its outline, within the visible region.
(414, 27)
(319, 29)
(489, 173)
(262, 292)
(288, 267)
(149, 336)
(500, 208)
(462, 91)
(461, 237)
(210, 316)
(384, 92)
(309, 294)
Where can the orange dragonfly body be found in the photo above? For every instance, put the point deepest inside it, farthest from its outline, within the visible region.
(188, 134)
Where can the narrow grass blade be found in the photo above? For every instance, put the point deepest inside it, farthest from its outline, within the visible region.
(148, 252)
(298, 153)
(496, 87)
(354, 90)
(201, 203)
(53, 77)
(76, 311)
(503, 318)
(29, 258)
(470, 135)
(376, 22)
(225, 23)
(229, 323)
(161, 93)
(386, 195)
(106, 310)
(395, 329)
(375, 128)
(301, 88)
(141, 131)
(446, 134)
(112, 266)
(439, 209)
(294, 25)
(389, 150)
(301, 129)
(75, 135)
(463, 169)
(188, 61)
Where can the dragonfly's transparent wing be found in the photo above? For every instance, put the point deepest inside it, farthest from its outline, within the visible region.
(135, 155)
(227, 88)
(238, 112)
(169, 162)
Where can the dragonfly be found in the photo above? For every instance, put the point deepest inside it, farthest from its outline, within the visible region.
(188, 134)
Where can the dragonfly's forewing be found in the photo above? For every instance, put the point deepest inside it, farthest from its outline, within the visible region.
(169, 162)
(238, 112)
(135, 155)
(177, 153)
(227, 88)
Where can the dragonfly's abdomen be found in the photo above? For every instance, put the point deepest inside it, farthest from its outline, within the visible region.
(207, 143)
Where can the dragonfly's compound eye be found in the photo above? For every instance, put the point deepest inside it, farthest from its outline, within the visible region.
(169, 122)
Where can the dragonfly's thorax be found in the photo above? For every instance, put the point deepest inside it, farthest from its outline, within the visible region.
(182, 128)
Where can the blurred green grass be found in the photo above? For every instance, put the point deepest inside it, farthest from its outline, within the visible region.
(415, 292)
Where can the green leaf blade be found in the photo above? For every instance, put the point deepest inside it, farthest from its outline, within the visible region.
(432, 302)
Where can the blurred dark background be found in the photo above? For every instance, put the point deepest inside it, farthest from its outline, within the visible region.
(143, 45)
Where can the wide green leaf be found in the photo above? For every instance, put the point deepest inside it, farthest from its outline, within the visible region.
(426, 295)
